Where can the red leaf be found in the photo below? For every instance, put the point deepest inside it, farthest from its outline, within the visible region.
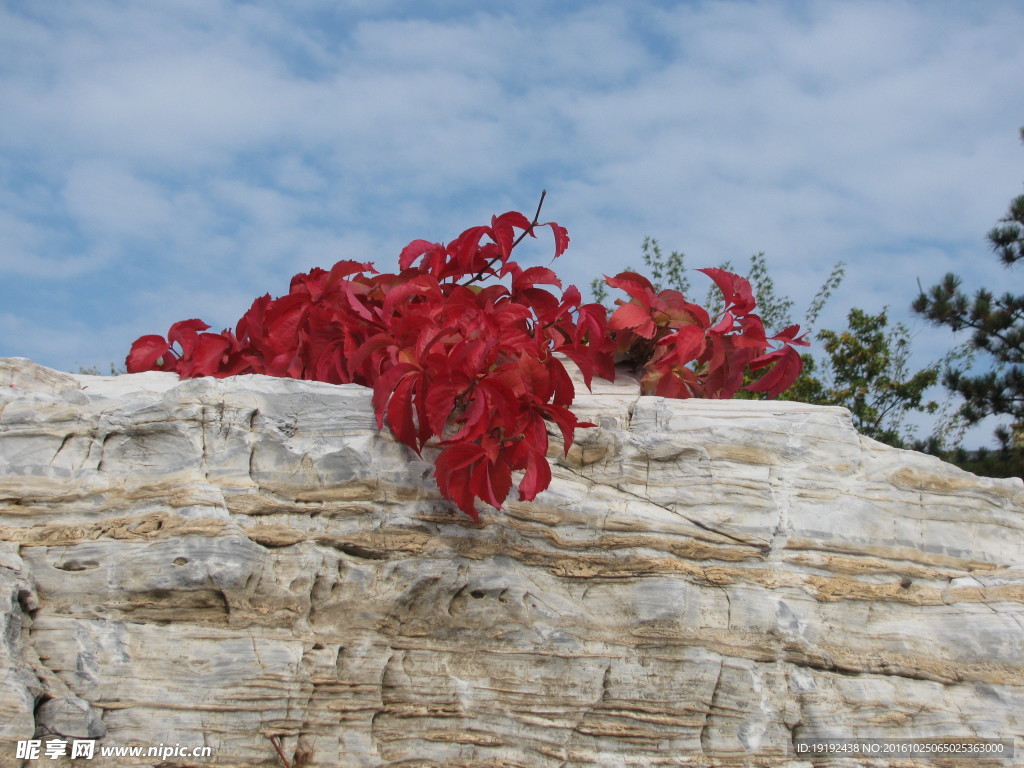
(543, 302)
(681, 384)
(514, 219)
(347, 267)
(492, 480)
(566, 421)
(384, 387)
(475, 421)
(502, 229)
(585, 359)
(145, 352)
(352, 301)
(440, 402)
(406, 292)
(534, 430)
(453, 471)
(561, 237)
(251, 325)
(185, 332)
(592, 323)
(752, 334)
(680, 311)
(724, 325)
(470, 358)
(535, 276)
(633, 317)
(636, 285)
(564, 391)
(460, 456)
(400, 412)
(789, 335)
(413, 251)
(724, 374)
(739, 297)
(465, 245)
(533, 377)
(208, 355)
(283, 317)
(690, 342)
(310, 284)
(537, 477)
(763, 361)
(782, 374)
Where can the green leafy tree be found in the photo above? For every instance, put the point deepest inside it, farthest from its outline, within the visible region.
(997, 330)
(867, 370)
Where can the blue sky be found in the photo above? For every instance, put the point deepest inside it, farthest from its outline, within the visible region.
(175, 159)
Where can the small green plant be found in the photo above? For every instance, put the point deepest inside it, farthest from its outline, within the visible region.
(93, 370)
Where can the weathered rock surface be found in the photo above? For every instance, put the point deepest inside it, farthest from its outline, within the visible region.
(220, 562)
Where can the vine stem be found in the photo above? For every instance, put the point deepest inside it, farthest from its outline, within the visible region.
(536, 220)
(518, 240)
(277, 748)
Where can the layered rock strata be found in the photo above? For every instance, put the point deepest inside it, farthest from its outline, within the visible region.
(247, 564)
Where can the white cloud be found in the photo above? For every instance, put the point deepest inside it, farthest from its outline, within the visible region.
(110, 202)
(296, 175)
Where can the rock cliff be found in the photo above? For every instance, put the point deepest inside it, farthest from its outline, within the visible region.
(247, 564)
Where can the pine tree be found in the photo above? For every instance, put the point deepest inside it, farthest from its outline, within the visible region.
(997, 323)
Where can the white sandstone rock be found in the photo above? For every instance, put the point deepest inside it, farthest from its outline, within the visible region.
(218, 562)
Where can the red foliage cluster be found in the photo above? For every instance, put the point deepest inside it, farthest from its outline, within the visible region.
(453, 353)
(687, 354)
